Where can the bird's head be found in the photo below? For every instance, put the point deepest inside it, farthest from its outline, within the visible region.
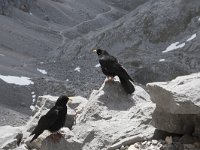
(100, 52)
(63, 100)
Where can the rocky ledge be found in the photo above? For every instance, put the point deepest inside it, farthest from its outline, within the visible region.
(113, 120)
(177, 104)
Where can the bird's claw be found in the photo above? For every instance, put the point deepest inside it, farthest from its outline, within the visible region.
(109, 79)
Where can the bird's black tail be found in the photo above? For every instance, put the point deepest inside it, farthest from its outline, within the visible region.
(127, 85)
(36, 133)
(34, 137)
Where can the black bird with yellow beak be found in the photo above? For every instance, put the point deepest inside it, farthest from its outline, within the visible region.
(54, 119)
(111, 68)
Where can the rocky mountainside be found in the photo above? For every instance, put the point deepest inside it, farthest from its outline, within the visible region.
(49, 41)
(111, 120)
(31, 32)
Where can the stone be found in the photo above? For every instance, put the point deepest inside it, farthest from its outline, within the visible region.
(70, 144)
(44, 103)
(148, 143)
(111, 118)
(188, 146)
(187, 139)
(168, 147)
(137, 145)
(144, 143)
(8, 136)
(177, 104)
(122, 147)
(154, 142)
(132, 147)
(168, 140)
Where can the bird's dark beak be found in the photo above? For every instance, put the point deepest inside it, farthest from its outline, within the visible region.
(70, 99)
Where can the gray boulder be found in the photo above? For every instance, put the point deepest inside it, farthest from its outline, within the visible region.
(177, 104)
(110, 119)
(70, 144)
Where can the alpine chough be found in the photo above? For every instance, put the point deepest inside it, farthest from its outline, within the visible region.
(54, 118)
(111, 67)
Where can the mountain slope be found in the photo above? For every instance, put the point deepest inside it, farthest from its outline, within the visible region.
(32, 35)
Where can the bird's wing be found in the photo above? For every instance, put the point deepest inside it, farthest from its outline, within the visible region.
(119, 70)
(111, 65)
(47, 120)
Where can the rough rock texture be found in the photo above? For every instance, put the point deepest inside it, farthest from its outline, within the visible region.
(177, 104)
(8, 134)
(110, 119)
(70, 144)
(111, 116)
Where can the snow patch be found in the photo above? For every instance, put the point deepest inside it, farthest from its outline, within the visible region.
(16, 80)
(97, 65)
(67, 80)
(50, 97)
(32, 108)
(174, 46)
(42, 71)
(33, 97)
(161, 60)
(77, 69)
(192, 37)
(41, 62)
(2, 55)
(31, 14)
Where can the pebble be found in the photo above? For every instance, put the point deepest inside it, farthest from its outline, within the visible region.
(132, 147)
(154, 142)
(168, 139)
(159, 145)
(148, 143)
(122, 147)
(137, 145)
(144, 143)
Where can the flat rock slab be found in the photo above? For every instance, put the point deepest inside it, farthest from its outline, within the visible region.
(177, 104)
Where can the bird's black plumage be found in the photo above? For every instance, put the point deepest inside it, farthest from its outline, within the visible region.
(54, 118)
(111, 67)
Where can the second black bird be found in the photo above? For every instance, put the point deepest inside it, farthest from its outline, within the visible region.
(54, 118)
(110, 67)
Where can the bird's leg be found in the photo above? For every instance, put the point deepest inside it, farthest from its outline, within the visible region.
(112, 78)
(56, 136)
(109, 78)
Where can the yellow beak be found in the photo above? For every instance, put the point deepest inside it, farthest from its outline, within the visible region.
(94, 50)
(70, 99)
